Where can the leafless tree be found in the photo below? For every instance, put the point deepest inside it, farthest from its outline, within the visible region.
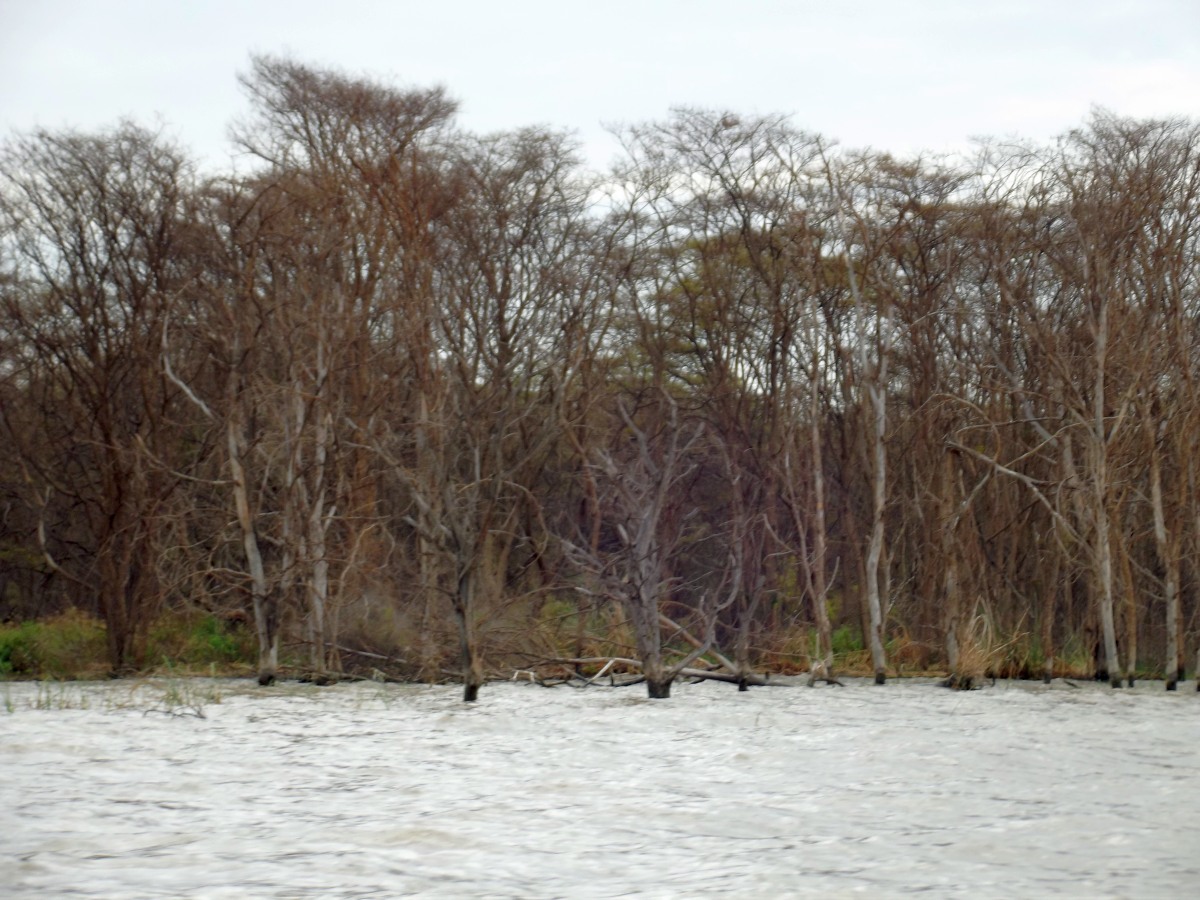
(93, 222)
(640, 474)
(512, 293)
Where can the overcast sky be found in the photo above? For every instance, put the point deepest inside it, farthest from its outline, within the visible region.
(895, 75)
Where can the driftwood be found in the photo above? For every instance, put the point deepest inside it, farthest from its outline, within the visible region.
(728, 677)
(609, 662)
(368, 654)
(820, 672)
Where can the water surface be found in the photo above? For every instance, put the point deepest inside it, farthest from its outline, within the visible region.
(221, 789)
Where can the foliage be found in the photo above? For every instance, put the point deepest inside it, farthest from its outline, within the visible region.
(73, 645)
(68, 645)
(199, 641)
(394, 391)
(847, 639)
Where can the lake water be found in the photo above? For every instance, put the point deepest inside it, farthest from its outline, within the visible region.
(123, 790)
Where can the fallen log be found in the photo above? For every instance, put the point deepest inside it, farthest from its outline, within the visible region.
(688, 672)
(728, 678)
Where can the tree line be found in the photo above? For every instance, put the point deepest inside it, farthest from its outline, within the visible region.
(399, 393)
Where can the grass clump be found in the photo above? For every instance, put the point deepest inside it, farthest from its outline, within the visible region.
(182, 697)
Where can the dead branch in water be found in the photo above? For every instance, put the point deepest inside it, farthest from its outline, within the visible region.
(609, 662)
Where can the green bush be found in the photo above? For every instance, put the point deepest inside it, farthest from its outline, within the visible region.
(213, 641)
(65, 646)
(188, 640)
(846, 639)
(17, 648)
(74, 645)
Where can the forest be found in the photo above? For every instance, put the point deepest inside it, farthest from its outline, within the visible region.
(395, 398)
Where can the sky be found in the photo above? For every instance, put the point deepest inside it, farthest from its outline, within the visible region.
(898, 75)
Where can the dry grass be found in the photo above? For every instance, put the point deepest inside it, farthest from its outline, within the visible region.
(908, 656)
(982, 655)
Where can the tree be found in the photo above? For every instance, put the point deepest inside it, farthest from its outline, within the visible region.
(95, 226)
(640, 473)
(496, 348)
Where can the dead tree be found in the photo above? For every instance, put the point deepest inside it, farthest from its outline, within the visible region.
(639, 474)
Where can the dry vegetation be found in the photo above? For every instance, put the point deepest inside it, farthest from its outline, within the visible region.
(406, 400)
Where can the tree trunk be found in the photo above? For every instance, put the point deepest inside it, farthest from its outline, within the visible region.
(1130, 609)
(267, 628)
(642, 610)
(952, 611)
(659, 688)
(318, 579)
(820, 551)
(1104, 562)
(264, 605)
(658, 681)
(464, 601)
(1049, 612)
(875, 550)
(949, 560)
(120, 587)
(1112, 665)
(1173, 673)
(1169, 560)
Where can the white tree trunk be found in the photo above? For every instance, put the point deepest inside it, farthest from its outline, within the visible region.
(875, 548)
(1103, 548)
(820, 551)
(266, 613)
(1170, 563)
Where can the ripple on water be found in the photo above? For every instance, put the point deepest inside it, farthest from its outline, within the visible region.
(362, 790)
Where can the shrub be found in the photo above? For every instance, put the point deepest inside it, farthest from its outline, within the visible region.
(213, 641)
(198, 640)
(847, 639)
(17, 654)
(68, 645)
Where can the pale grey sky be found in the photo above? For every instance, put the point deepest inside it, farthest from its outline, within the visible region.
(900, 75)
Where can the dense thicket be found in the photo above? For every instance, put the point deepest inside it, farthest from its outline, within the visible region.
(399, 392)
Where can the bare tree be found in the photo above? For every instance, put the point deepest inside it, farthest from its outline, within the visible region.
(640, 475)
(723, 210)
(93, 223)
(861, 208)
(511, 295)
(337, 153)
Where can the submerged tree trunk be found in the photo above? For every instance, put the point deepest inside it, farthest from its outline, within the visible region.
(638, 489)
(820, 550)
(1130, 612)
(464, 604)
(951, 599)
(1099, 442)
(264, 603)
(1169, 559)
(950, 582)
(641, 603)
(1104, 566)
(875, 549)
(658, 680)
(1049, 612)
(318, 578)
